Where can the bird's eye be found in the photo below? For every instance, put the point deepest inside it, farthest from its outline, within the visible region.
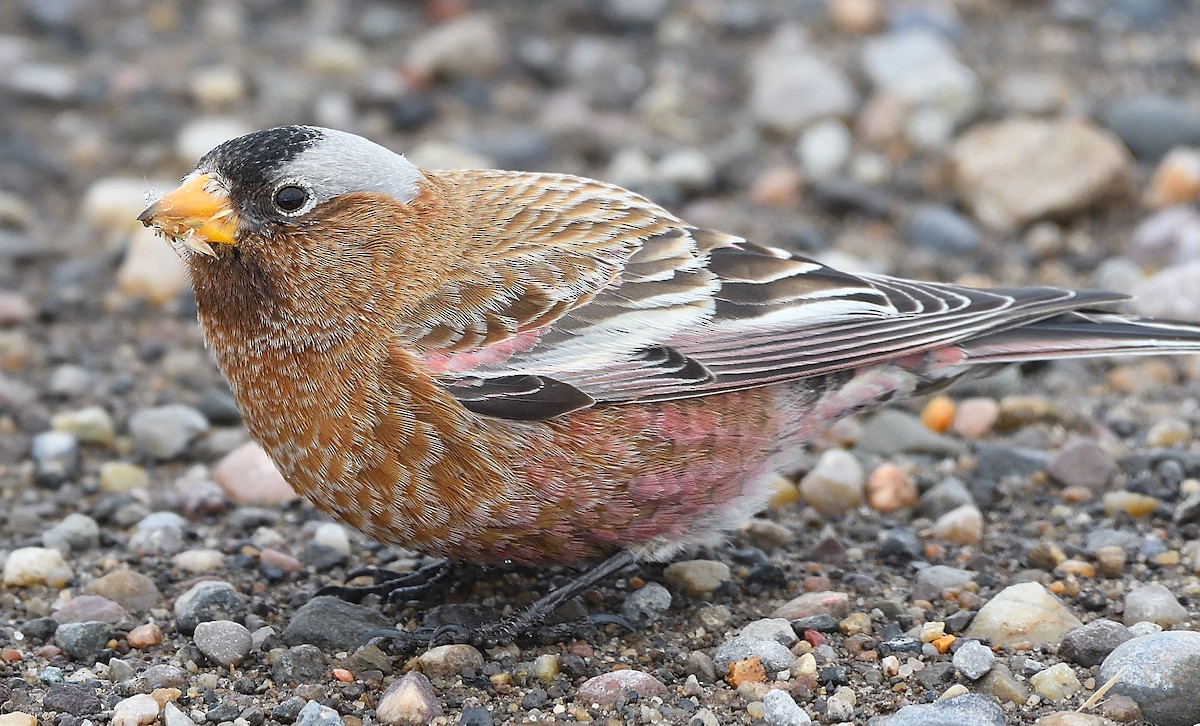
(291, 198)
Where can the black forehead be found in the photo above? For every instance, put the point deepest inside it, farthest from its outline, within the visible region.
(251, 162)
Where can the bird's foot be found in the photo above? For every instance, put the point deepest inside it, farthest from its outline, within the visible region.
(395, 586)
(529, 623)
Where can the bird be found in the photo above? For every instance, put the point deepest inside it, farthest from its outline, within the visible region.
(509, 367)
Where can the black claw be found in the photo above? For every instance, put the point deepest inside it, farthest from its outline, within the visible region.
(395, 586)
(613, 619)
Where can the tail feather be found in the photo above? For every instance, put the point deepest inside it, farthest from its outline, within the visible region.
(1083, 335)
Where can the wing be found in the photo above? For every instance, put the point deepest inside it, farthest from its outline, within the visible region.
(583, 293)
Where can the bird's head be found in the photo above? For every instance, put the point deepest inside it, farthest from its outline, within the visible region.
(268, 184)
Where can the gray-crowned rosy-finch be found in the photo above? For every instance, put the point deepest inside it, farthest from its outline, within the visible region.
(495, 366)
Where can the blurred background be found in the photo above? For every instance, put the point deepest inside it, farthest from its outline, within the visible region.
(961, 139)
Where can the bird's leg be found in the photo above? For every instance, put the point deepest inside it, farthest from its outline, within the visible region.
(396, 586)
(529, 622)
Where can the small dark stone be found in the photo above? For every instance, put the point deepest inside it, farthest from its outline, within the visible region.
(83, 641)
(288, 710)
(844, 197)
(412, 112)
(222, 712)
(322, 557)
(767, 574)
(219, 408)
(1090, 644)
(534, 699)
(475, 716)
(902, 644)
(40, 629)
(935, 675)
(901, 545)
(823, 623)
(833, 676)
(76, 699)
(299, 664)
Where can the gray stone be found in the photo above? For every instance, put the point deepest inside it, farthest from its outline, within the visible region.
(1153, 124)
(318, 714)
(607, 688)
(75, 533)
(780, 709)
(974, 659)
(1153, 603)
(299, 664)
(83, 641)
(209, 600)
(333, 624)
(1020, 613)
(945, 496)
(1082, 463)
(165, 432)
(1161, 672)
(942, 229)
(777, 629)
(774, 655)
(55, 457)
(892, 432)
(644, 606)
(1091, 644)
(937, 579)
(791, 87)
(76, 699)
(966, 709)
(224, 642)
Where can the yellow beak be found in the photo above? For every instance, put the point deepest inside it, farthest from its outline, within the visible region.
(198, 211)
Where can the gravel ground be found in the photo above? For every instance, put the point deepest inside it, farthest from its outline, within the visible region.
(998, 554)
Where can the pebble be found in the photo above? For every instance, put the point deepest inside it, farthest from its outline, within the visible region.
(299, 664)
(1176, 180)
(773, 655)
(249, 477)
(28, 566)
(165, 432)
(90, 608)
(137, 710)
(791, 87)
(172, 716)
(831, 603)
(332, 624)
(891, 432)
(920, 67)
(942, 229)
(780, 709)
(208, 600)
(945, 496)
(1131, 503)
(963, 525)
(1072, 718)
(690, 170)
(151, 269)
(119, 477)
(1167, 237)
(224, 642)
(889, 488)
(144, 636)
(836, 484)
(157, 534)
(970, 708)
(200, 135)
(1025, 612)
(696, 578)
(606, 688)
(1032, 93)
(77, 699)
(646, 605)
(198, 561)
(71, 381)
(132, 590)
(19, 718)
(936, 580)
(1013, 172)
(1082, 463)
(975, 417)
(333, 536)
(470, 45)
(55, 457)
(1157, 296)
(1153, 603)
(1056, 683)
(315, 713)
(449, 661)
(974, 659)
(83, 641)
(824, 148)
(777, 629)
(217, 86)
(91, 425)
(1153, 124)
(76, 532)
(1159, 672)
(856, 16)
